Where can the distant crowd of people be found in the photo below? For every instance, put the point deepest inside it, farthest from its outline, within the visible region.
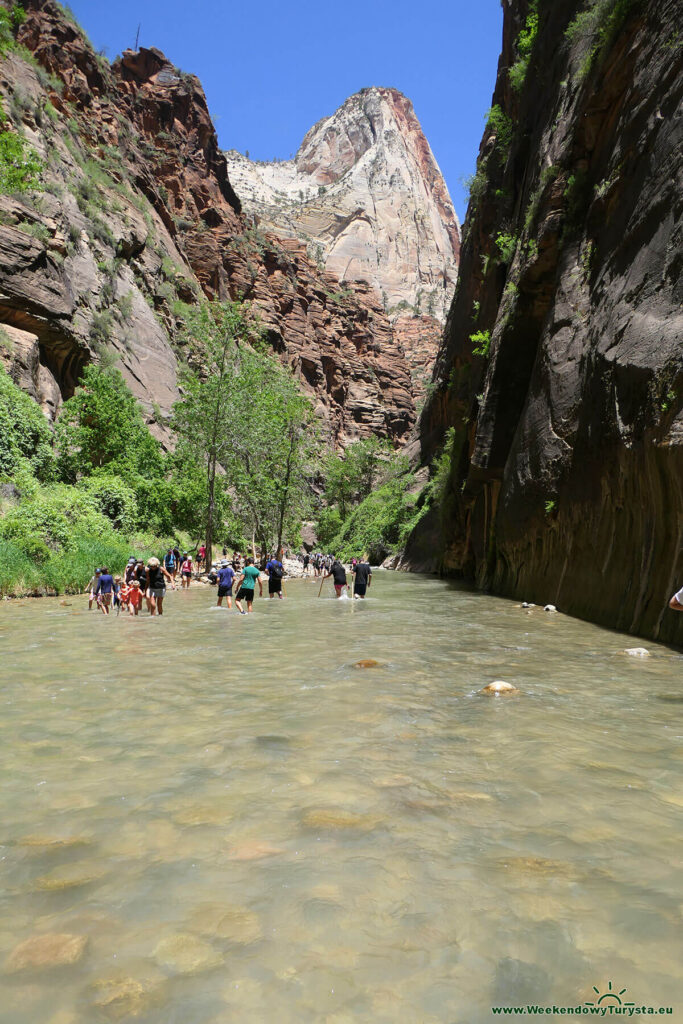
(144, 583)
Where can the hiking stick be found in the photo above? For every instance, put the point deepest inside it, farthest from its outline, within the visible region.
(321, 586)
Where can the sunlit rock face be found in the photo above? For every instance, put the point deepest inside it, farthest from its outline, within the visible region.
(138, 211)
(366, 193)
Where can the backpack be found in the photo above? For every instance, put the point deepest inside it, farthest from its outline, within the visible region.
(276, 570)
(169, 561)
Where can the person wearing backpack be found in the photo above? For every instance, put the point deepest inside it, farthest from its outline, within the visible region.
(275, 571)
(170, 564)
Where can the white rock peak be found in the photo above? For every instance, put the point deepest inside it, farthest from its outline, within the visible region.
(366, 194)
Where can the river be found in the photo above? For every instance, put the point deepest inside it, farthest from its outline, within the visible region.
(209, 818)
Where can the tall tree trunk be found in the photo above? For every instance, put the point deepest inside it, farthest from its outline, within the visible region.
(211, 512)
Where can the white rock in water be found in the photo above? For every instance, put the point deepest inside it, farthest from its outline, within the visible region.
(637, 652)
(525, 604)
(499, 686)
(550, 608)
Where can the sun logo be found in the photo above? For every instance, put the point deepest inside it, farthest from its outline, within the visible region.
(609, 998)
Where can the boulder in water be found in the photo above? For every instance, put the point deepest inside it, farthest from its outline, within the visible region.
(366, 663)
(499, 688)
(550, 608)
(637, 652)
(186, 954)
(53, 949)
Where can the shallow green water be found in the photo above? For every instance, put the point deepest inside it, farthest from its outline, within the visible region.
(244, 827)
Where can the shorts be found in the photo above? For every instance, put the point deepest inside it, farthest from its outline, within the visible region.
(186, 573)
(274, 586)
(360, 589)
(244, 595)
(225, 591)
(106, 598)
(339, 587)
(156, 592)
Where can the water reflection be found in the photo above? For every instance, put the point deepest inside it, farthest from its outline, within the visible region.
(210, 818)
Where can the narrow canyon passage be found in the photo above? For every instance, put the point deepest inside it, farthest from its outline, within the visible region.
(210, 818)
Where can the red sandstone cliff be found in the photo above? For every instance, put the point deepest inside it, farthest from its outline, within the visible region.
(139, 211)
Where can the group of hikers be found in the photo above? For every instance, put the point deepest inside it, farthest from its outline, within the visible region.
(144, 584)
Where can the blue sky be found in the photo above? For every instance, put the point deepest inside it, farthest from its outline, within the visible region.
(271, 70)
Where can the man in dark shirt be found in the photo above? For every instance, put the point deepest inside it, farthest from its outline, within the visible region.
(338, 574)
(274, 571)
(362, 578)
(104, 590)
(226, 576)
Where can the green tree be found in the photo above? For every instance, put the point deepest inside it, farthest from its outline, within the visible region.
(349, 478)
(205, 418)
(273, 457)
(102, 426)
(245, 420)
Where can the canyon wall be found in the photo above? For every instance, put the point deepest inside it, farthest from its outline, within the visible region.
(560, 376)
(138, 212)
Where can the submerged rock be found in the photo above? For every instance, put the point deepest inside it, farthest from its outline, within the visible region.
(499, 688)
(366, 663)
(337, 820)
(54, 949)
(121, 998)
(253, 850)
(69, 876)
(233, 924)
(186, 954)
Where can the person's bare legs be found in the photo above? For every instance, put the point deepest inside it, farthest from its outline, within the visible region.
(160, 605)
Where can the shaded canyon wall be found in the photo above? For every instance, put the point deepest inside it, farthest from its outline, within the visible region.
(566, 481)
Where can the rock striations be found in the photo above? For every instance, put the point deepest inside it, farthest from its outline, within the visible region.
(365, 192)
(567, 468)
(366, 195)
(138, 211)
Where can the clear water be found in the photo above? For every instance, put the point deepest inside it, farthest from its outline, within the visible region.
(244, 827)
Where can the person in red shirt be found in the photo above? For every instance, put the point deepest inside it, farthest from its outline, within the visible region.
(134, 597)
(201, 557)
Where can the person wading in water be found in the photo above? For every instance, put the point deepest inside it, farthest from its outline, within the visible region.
(246, 585)
(156, 585)
(338, 573)
(275, 571)
(362, 578)
(226, 577)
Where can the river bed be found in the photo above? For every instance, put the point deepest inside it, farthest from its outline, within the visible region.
(210, 818)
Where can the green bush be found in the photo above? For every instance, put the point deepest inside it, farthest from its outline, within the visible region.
(20, 166)
(502, 126)
(24, 432)
(53, 515)
(596, 28)
(328, 526)
(380, 524)
(524, 45)
(481, 343)
(507, 247)
(114, 499)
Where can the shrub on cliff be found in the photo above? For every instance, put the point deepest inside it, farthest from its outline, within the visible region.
(102, 426)
(24, 433)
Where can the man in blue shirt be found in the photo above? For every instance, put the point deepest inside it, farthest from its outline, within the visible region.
(104, 590)
(275, 571)
(226, 576)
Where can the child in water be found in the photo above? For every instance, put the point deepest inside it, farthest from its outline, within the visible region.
(134, 597)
